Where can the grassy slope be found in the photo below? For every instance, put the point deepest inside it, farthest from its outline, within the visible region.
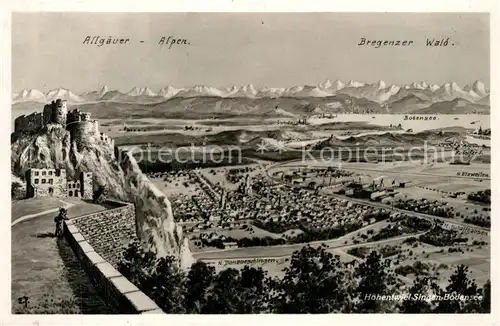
(33, 206)
(46, 270)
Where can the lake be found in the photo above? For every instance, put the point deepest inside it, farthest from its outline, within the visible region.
(440, 121)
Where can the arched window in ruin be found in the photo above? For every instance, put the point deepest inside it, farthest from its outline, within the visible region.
(51, 191)
(70, 193)
(76, 193)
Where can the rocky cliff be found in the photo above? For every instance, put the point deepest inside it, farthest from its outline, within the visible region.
(52, 147)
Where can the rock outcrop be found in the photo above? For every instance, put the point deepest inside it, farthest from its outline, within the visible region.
(52, 147)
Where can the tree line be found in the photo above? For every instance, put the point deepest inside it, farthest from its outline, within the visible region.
(315, 281)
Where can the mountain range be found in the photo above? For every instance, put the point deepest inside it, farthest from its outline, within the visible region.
(418, 95)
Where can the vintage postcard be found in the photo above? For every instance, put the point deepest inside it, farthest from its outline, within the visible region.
(250, 163)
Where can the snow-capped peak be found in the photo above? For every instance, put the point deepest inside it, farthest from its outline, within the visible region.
(199, 90)
(379, 92)
(207, 90)
(232, 89)
(455, 87)
(269, 92)
(451, 88)
(28, 95)
(421, 85)
(478, 88)
(353, 83)
(331, 86)
(338, 84)
(249, 89)
(326, 84)
(104, 90)
(380, 84)
(393, 89)
(135, 91)
(63, 94)
(33, 93)
(58, 92)
(168, 91)
(433, 87)
(147, 92)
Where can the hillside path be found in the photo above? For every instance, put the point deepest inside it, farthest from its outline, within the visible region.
(48, 211)
(45, 268)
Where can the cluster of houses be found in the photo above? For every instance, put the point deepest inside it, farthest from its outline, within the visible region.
(281, 204)
(267, 202)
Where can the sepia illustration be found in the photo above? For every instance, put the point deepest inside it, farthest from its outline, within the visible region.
(250, 163)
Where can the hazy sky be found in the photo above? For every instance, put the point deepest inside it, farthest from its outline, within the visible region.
(265, 49)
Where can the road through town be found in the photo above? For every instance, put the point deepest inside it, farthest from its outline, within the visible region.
(337, 245)
(377, 204)
(285, 251)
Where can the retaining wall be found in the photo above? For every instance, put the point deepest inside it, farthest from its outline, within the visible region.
(109, 231)
(112, 285)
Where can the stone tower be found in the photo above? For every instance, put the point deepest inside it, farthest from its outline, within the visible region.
(83, 130)
(59, 112)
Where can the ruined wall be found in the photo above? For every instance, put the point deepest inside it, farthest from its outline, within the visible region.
(85, 116)
(73, 116)
(55, 112)
(54, 182)
(106, 140)
(110, 231)
(60, 184)
(45, 182)
(29, 123)
(74, 189)
(112, 285)
(47, 114)
(19, 124)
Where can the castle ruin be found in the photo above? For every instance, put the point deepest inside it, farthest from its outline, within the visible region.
(54, 183)
(83, 131)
